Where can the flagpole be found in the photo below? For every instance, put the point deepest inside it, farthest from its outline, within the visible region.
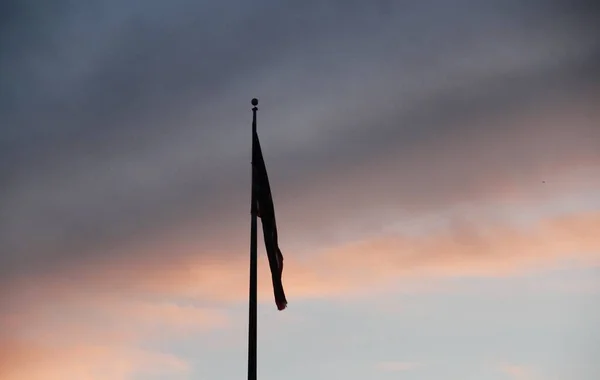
(252, 314)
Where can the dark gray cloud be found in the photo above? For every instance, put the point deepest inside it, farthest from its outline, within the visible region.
(121, 119)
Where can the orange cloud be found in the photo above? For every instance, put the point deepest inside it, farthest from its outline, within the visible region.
(470, 249)
(96, 337)
(102, 313)
(473, 249)
(21, 360)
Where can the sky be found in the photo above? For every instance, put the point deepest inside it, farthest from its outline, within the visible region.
(435, 168)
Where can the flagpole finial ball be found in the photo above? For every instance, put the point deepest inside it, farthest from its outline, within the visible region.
(255, 102)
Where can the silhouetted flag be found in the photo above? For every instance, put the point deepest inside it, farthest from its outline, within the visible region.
(266, 213)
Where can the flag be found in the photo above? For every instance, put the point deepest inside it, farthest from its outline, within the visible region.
(266, 213)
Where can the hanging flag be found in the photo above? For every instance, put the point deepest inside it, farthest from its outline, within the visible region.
(266, 213)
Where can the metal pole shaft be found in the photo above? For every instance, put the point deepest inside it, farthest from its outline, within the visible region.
(252, 309)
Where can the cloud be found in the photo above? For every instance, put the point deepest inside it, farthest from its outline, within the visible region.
(119, 306)
(129, 125)
(474, 248)
(47, 225)
(91, 336)
(518, 372)
(395, 366)
(21, 361)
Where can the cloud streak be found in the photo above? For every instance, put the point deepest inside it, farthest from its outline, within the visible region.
(460, 248)
(84, 335)
(85, 362)
(396, 366)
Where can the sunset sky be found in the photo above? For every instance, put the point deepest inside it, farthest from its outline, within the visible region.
(435, 168)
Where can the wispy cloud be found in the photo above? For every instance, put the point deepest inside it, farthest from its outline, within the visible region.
(519, 372)
(473, 249)
(24, 360)
(92, 337)
(396, 366)
(109, 305)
